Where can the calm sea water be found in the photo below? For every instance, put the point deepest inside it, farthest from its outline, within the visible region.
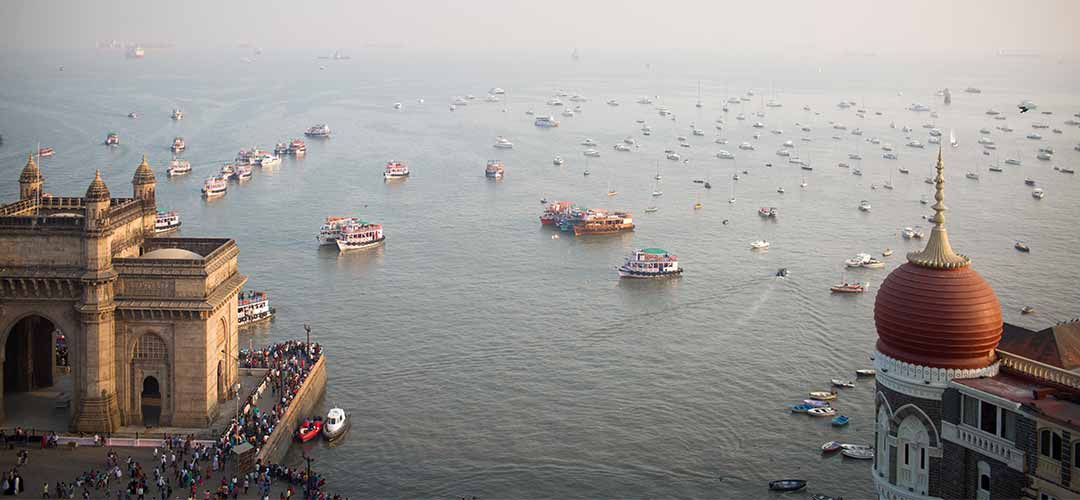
(479, 356)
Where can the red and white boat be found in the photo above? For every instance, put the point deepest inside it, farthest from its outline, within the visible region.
(331, 229)
(297, 147)
(178, 145)
(243, 172)
(45, 152)
(215, 186)
(650, 263)
(166, 221)
(848, 288)
(554, 211)
(178, 167)
(396, 170)
(359, 236)
(309, 429)
(494, 169)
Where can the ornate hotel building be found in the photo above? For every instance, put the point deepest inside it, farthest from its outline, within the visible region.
(149, 323)
(969, 407)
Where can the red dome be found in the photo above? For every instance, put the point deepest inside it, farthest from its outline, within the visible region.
(941, 318)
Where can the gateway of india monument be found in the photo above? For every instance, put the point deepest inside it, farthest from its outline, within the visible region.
(149, 324)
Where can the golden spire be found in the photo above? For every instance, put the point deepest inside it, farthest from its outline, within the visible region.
(30, 172)
(97, 191)
(143, 173)
(938, 253)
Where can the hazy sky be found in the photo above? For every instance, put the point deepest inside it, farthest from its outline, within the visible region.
(860, 25)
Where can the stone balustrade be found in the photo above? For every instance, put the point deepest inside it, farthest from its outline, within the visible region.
(1039, 370)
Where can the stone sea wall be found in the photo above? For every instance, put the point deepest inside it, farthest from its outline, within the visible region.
(302, 406)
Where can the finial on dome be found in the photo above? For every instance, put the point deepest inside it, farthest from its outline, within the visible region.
(938, 253)
(143, 173)
(97, 191)
(30, 172)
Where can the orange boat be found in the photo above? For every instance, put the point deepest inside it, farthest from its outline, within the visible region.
(603, 222)
(309, 429)
(848, 288)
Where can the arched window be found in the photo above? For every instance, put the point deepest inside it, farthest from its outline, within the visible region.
(912, 442)
(150, 348)
(1050, 444)
(983, 490)
(881, 457)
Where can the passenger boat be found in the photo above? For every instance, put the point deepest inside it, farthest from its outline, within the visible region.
(840, 420)
(178, 166)
(297, 147)
(243, 172)
(546, 122)
(113, 139)
(494, 169)
(859, 453)
(178, 145)
(842, 383)
(166, 221)
(767, 211)
(177, 114)
(281, 149)
(759, 245)
(309, 429)
(824, 411)
(335, 425)
(395, 170)
(252, 307)
(1021, 246)
(359, 236)
(215, 186)
(228, 170)
(555, 211)
(45, 152)
(503, 143)
(331, 229)
(320, 130)
(650, 263)
(787, 484)
(597, 222)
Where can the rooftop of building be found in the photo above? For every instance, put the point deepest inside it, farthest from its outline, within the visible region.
(1058, 345)
(1046, 400)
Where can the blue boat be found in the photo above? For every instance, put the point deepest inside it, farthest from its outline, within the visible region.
(801, 408)
(840, 420)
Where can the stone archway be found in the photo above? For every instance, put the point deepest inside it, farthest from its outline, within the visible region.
(151, 402)
(37, 381)
(29, 355)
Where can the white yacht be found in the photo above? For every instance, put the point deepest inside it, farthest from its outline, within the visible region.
(588, 142)
(503, 143)
(591, 152)
(1038, 193)
(746, 146)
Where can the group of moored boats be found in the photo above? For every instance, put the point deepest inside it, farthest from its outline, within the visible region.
(331, 428)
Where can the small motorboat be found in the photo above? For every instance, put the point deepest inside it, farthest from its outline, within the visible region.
(823, 396)
(840, 420)
(650, 210)
(759, 245)
(336, 424)
(309, 429)
(848, 288)
(557, 161)
(887, 252)
(831, 446)
(782, 272)
(842, 383)
(859, 453)
(866, 372)
(133, 115)
(787, 485)
(802, 408)
(1027, 310)
(1021, 246)
(824, 411)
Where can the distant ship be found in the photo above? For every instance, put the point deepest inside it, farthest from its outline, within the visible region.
(320, 130)
(136, 52)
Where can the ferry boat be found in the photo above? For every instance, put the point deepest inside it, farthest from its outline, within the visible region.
(297, 147)
(319, 130)
(554, 212)
(177, 114)
(503, 143)
(178, 167)
(603, 222)
(546, 122)
(45, 152)
(215, 186)
(166, 221)
(281, 149)
(494, 169)
(113, 139)
(650, 263)
(243, 172)
(228, 170)
(252, 307)
(331, 229)
(266, 160)
(395, 170)
(178, 145)
(360, 235)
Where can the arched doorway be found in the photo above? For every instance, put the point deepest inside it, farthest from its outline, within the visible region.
(151, 402)
(30, 355)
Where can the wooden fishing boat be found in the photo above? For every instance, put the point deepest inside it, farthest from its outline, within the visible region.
(824, 411)
(823, 396)
(787, 485)
(842, 383)
(832, 446)
(859, 453)
(840, 420)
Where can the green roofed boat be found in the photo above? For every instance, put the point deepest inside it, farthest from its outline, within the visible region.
(650, 263)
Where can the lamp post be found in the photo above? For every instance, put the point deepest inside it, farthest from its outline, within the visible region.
(236, 388)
